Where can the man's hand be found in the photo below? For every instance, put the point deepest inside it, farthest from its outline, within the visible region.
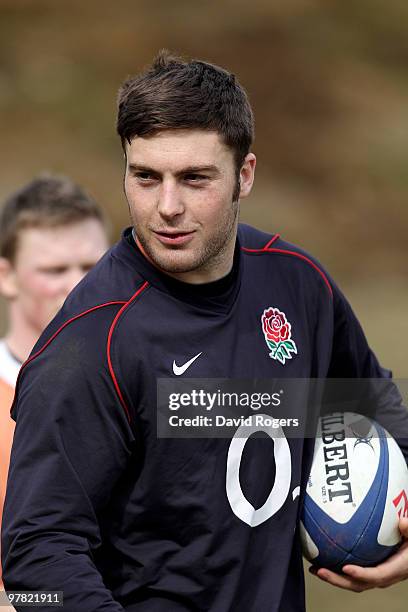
(358, 579)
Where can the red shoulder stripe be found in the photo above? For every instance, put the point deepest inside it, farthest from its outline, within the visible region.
(55, 334)
(271, 241)
(265, 249)
(109, 342)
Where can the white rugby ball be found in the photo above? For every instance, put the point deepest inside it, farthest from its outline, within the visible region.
(356, 492)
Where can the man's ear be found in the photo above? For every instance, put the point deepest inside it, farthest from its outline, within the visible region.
(247, 175)
(8, 285)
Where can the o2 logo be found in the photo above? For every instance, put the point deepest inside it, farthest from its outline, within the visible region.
(240, 506)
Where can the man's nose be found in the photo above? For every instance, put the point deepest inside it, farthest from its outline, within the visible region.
(170, 202)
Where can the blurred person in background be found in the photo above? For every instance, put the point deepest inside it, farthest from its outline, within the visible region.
(98, 505)
(51, 234)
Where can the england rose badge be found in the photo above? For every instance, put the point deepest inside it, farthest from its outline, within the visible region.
(278, 335)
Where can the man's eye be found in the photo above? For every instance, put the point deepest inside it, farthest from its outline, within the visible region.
(194, 178)
(55, 270)
(144, 176)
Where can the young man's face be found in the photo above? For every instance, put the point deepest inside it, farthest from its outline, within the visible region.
(179, 185)
(49, 263)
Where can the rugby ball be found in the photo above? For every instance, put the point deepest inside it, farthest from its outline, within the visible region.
(356, 492)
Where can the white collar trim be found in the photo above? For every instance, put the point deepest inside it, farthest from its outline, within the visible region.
(9, 366)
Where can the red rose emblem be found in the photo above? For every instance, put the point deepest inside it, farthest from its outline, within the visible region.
(275, 325)
(277, 332)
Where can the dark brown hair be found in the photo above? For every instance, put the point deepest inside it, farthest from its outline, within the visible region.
(46, 201)
(178, 94)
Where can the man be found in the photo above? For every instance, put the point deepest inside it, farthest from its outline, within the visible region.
(51, 234)
(101, 507)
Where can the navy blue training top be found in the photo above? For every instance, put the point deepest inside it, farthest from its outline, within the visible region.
(98, 507)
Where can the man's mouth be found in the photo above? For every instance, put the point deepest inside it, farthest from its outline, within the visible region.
(174, 237)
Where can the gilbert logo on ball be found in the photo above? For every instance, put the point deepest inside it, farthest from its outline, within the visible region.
(356, 492)
(278, 335)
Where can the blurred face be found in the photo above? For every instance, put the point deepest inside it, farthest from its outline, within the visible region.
(49, 263)
(179, 185)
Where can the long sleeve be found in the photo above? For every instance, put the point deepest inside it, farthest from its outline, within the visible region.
(72, 443)
(364, 383)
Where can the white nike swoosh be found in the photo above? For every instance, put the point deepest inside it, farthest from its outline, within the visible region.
(178, 370)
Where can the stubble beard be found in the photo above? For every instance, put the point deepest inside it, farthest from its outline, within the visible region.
(206, 258)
